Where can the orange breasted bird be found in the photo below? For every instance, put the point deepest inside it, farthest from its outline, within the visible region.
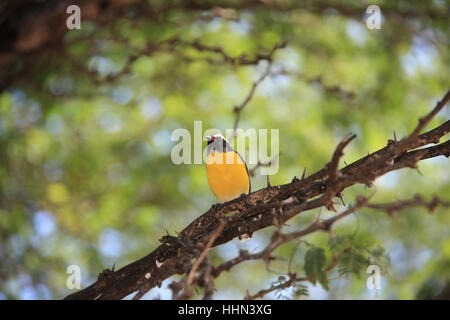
(227, 172)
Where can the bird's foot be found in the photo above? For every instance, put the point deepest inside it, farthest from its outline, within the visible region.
(244, 196)
(217, 206)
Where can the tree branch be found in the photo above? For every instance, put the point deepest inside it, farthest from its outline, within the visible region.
(271, 206)
(325, 225)
(238, 108)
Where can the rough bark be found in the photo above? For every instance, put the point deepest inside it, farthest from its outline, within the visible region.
(271, 206)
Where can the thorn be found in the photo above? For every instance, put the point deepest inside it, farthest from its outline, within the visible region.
(391, 213)
(345, 163)
(268, 181)
(417, 169)
(341, 196)
(367, 182)
(276, 223)
(105, 274)
(330, 206)
(395, 136)
(434, 204)
(304, 173)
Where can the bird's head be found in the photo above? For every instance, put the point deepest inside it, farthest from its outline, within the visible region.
(218, 142)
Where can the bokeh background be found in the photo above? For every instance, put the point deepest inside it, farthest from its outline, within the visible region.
(86, 176)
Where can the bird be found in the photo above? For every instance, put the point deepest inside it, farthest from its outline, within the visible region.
(227, 171)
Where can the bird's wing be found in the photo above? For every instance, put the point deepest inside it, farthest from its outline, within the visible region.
(248, 174)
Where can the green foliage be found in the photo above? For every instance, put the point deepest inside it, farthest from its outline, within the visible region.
(357, 254)
(352, 262)
(300, 290)
(85, 171)
(314, 266)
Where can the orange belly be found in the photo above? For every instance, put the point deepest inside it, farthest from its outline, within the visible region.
(227, 180)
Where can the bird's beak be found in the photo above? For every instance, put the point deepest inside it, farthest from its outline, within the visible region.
(208, 138)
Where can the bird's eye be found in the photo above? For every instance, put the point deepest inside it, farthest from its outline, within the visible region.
(211, 139)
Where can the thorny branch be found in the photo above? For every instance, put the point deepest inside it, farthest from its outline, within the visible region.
(238, 109)
(33, 32)
(416, 201)
(193, 274)
(279, 239)
(172, 45)
(293, 279)
(325, 225)
(252, 171)
(272, 206)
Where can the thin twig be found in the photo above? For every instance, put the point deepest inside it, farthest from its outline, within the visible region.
(202, 256)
